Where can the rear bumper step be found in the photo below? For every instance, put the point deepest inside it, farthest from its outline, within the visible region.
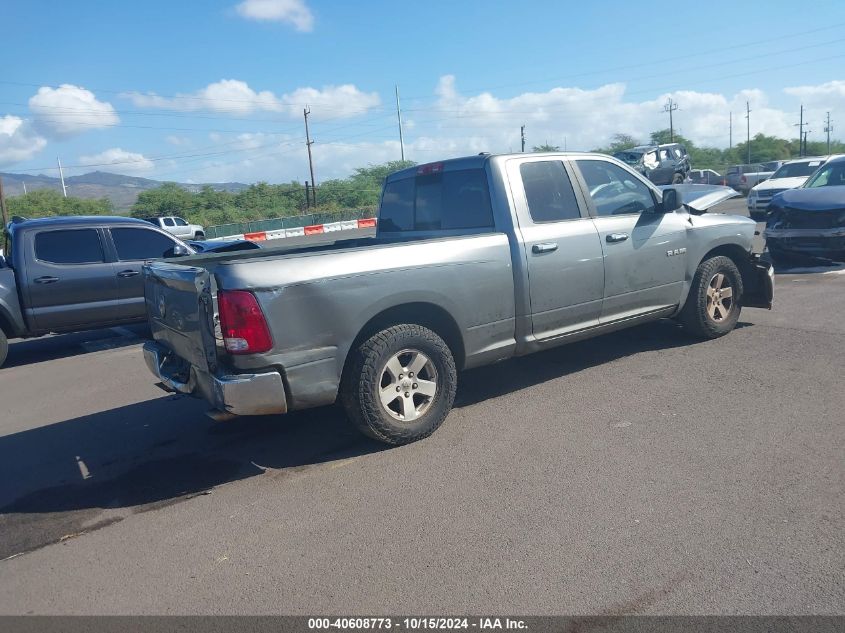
(237, 394)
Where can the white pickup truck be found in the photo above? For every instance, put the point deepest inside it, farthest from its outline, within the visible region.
(179, 227)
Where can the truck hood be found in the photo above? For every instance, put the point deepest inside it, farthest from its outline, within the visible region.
(701, 197)
(780, 183)
(815, 199)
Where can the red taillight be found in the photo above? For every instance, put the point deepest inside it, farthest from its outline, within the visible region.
(242, 323)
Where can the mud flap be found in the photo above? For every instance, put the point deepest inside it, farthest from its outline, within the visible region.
(758, 280)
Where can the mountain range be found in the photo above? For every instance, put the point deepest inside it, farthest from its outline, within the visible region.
(121, 190)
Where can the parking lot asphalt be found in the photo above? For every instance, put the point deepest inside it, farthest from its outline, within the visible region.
(640, 472)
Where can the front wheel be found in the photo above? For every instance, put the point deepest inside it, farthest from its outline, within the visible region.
(715, 299)
(677, 179)
(199, 236)
(400, 384)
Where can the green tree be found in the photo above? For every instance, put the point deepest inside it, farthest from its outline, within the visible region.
(545, 147)
(169, 199)
(618, 143)
(43, 203)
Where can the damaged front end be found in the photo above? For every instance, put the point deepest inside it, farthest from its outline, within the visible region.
(815, 233)
(697, 199)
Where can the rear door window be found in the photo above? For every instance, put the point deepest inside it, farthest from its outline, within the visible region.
(548, 191)
(138, 244)
(440, 201)
(71, 246)
(168, 221)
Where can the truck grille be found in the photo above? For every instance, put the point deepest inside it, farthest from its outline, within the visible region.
(768, 194)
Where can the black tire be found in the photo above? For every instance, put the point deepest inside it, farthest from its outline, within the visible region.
(4, 347)
(698, 315)
(364, 381)
(677, 179)
(198, 236)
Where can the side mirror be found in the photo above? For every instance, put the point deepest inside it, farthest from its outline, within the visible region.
(671, 200)
(178, 250)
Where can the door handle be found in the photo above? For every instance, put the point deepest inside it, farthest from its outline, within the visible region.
(616, 237)
(46, 280)
(128, 273)
(548, 247)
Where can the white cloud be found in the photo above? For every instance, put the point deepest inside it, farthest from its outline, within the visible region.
(583, 119)
(235, 97)
(122, 160)
(18, 141)
(332, 101)
(69, 110)
(294, 12)
(178, 141)
(818, 101)
(452, 124)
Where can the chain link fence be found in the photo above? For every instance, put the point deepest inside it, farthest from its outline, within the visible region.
(290, 222)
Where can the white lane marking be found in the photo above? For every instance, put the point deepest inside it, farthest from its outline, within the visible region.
(83, 469)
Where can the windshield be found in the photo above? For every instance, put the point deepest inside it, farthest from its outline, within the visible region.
(794, 170)
(831, 175)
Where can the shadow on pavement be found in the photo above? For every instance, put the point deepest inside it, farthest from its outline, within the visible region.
(53, 347)
(70, 477)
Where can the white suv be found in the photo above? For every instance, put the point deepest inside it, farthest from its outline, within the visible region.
(788, 176)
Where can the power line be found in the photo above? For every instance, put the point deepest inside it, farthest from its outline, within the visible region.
(662, 62)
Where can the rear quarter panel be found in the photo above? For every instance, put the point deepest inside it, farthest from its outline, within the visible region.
(317, 304)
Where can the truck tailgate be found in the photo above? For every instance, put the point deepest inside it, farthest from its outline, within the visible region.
(180, 309)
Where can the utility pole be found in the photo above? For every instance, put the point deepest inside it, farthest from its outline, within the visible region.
(731, 130)
(399, 116)
(62, 176)
(670, 108)
(800, 126)
(522, 135)
(828, 128)
(308, 143)
(806, 132)
(748, 129)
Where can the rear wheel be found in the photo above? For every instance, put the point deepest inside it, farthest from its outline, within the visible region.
(4, 347)
(715, 299)
(677, 179)
(400, 385)
(199, 236)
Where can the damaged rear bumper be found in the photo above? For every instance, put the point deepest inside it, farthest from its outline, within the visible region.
(237, 394)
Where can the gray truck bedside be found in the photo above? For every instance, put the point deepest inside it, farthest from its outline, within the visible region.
(476, 260)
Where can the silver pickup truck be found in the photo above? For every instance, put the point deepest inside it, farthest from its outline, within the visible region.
(475, 260)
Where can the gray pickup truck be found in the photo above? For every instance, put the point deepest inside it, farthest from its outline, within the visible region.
(76, 273)
(475, 260)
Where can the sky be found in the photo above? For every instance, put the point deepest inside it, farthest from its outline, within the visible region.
(214, 91)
